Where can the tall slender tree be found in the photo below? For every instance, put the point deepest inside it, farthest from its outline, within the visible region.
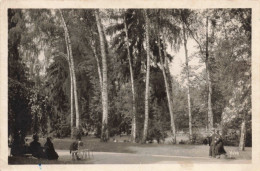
(210, 113)
(104, 131)
(133, 131)
(163, 65)
(187, 72)
(147, 25)
(208, 79)
(71, 63)
(166, 65)
(98, 64)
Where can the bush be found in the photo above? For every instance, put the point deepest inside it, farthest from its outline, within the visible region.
(198, 139)
(182, 142)
(156, 134)
(113, 132)
(64, 131)
(98, 131)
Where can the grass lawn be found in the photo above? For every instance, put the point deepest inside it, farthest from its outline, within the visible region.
(126, 147)
(150, 149)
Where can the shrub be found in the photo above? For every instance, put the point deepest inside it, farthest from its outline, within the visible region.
(113, 132)
(157, 134)
(64, 131)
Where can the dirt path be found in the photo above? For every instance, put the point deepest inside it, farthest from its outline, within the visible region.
(129, 158)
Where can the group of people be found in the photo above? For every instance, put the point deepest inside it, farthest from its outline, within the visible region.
(19, 148)
(216, 145)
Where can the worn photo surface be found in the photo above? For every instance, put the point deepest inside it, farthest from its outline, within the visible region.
(129, 86)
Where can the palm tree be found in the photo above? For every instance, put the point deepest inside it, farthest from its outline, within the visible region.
(210, 113)
(98, 63)
(72, 70)
(147, 77)
(133, 132)
(163, 65)
(183, 20)
(104, 133)
(128, 40)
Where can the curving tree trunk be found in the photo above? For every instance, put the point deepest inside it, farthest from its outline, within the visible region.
(72, 76)
(71, 93)
(104, 132)
(166, 87)
(71, 106)
(210, 113)
(147, 78)
(188, 79)
(166, 66)
(133, 131)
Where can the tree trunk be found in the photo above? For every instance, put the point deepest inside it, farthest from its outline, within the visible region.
(71, 93)
(173, 127)
(188, 80)
(210, 113)
(133, 130)
(147, 78)
(71, 105)
(104, 132)
(98, 66)
(69, 58)
(242, 135)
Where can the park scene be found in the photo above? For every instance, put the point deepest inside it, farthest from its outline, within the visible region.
(129, 86)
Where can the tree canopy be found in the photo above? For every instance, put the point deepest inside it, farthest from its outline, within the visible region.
(116, 55)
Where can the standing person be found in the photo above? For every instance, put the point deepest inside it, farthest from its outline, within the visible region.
(219, 149)
(212, 144)
(18, 144)
(50, 152)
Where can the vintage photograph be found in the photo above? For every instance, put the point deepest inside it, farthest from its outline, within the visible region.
(129, 85)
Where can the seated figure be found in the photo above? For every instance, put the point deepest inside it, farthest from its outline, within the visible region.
(74, 147)
(35, 148)
(50, 152)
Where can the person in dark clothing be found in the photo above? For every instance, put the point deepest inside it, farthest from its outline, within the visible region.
(205, 141)
(50, 152)
(18, 144)
(219, 148)
(35, 148)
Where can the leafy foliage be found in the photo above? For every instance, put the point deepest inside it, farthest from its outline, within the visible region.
(39, 75)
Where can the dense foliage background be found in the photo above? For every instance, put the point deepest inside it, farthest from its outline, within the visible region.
(39, 81)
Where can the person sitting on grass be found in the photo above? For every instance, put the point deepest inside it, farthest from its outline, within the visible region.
(35, 148)
(50, 152)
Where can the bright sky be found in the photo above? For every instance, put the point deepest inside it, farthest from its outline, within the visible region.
(178, 62)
